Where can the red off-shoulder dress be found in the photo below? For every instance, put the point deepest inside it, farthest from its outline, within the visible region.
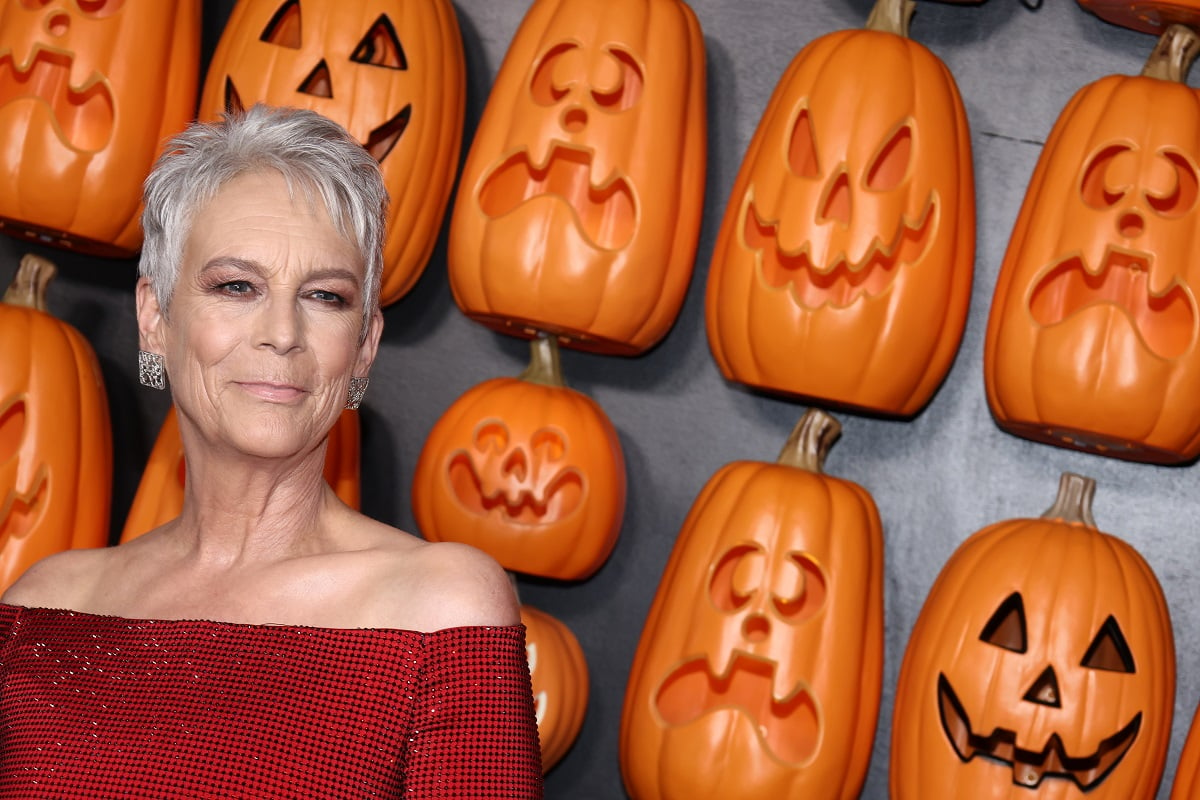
(96, 706)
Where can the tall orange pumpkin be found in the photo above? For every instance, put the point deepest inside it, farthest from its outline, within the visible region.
(758, 673)
(1092, 342)
(526, 469)
(579, 208)
(55, 434)
(559, 672)
(1147, 16)
(1042, 665)
(88, 92)
(842, 270)
(392, 72)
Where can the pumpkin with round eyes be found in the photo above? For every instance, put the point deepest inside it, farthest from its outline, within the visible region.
(392, 72)
(579, 208)
(1147, 16)
(758, 672)
(1092, 341)
(526, 469)
(843, 266)
(88, 92)
(558, 670)
(1041, 665)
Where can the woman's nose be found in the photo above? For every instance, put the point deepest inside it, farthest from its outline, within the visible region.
(280, 326)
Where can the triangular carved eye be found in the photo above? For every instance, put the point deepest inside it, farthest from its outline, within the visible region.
(1006, 628)
(284, 27)
(1109, 651)
(802, 148)
(381, 46)
(890, 165)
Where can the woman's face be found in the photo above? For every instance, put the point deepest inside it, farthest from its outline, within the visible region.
(263, 332)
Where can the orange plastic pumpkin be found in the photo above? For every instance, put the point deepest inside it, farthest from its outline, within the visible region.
(1147, 16)
(758, 672)
(1042, 665)
(1187, 774)
(55, 434)
(1092, 340)
(159, 495)
(526, 469)
(560, 682)
(842, 270)
(88, 92)
(579, 207)
(392, 72)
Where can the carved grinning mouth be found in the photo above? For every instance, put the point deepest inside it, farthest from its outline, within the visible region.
(83, 114)
(789, 724)
(606, 212)
(554, 500)
(1031, 767)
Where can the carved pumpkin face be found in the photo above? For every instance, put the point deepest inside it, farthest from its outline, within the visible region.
(23, 481)
(559, 674)
(842, 269)
(389, 71)
(1092, 338)
(582, 193)
(90, 88)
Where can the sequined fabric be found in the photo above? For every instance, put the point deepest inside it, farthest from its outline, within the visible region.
(94, 706)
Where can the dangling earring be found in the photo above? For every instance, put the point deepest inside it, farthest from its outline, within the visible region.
(152, 370)
(355, 392)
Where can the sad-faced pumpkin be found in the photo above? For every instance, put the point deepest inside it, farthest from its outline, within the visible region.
(758, 670)
(89, 89)
(579, 207)
(391, 72)
(1092, 338)
(1042, 665)
(842, 270)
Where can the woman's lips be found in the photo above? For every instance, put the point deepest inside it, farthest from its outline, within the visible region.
(272, 392)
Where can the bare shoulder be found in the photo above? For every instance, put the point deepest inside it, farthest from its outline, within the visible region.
(60, 580)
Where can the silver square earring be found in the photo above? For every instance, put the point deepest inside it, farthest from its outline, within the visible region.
(152, 370)
(355, 392)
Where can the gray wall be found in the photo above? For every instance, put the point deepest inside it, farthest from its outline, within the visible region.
(935, 478)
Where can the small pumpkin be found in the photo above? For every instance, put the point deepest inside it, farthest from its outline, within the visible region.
(392, 72)
(1186, 785)
(88, 92)
(1042, 664)
(560, 682)
(55, 433)
(1092, 341)
(526, 469)
(843, 266)
(758, 672)
(1147, 16)
(580, 203)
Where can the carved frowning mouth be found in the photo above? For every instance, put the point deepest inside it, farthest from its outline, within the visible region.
(83, 114)
(606, 212)
(1165, 321)
(842, 281)
(788, 723)
(520, 500)
(1031, 767)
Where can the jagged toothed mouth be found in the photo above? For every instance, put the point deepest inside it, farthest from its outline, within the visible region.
(546, 501)
(1031, 767)
(84, 114)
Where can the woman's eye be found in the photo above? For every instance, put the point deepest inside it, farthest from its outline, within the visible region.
(236, 287)
(329, 297)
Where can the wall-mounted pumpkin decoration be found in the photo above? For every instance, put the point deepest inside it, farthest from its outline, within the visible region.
(88, 92)
(1092, 339)
(759, 667)
(843, 266)
(391, 72)
(579, 207)
(526, 469)
(159, 496)
(55, 434)
(560, 682)
(1147, 16)
(1042, 665)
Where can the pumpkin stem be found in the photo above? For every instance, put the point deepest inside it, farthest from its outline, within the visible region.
(810, 441)
(28, 287)
(1177, 48)
(1074, 501)
(544, 364)
(891, 16)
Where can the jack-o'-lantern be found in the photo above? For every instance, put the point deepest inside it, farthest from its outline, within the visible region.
(89, 89)
(1186, 785)
(1147, 16)
(842, 270)
(559, 673)
(1041, 665)
(579, 207)
(526, 469)
(55, 435)
(1092, 338)
(758, 672)
(392, 72)
(159, 496)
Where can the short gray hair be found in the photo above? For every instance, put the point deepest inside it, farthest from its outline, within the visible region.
(312, 152)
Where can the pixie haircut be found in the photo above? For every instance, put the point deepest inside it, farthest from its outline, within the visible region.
(315, 156)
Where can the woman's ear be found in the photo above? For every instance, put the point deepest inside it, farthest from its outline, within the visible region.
(370, 345)
(149, 317)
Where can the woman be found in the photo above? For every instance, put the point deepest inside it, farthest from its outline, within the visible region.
(270, 641)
